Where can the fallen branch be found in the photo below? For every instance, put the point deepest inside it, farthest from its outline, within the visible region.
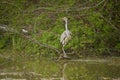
(89, 60)
(5, 28)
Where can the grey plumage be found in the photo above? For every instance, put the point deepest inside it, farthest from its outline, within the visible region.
(65, 36)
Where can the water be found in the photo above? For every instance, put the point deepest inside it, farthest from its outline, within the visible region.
(33, 68)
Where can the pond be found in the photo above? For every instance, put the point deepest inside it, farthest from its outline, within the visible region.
(38, 68)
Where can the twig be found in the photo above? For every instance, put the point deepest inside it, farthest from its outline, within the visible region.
(109, 22)
(99, 3)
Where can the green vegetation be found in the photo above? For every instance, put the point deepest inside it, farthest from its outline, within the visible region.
(94, 26)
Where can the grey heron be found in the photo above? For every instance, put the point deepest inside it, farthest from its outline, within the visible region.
(65, 36)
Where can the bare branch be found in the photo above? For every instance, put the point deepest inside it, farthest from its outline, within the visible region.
(57, 10)
(12, 4)
(29, 38)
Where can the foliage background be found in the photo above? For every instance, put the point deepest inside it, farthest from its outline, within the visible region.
(94, 24)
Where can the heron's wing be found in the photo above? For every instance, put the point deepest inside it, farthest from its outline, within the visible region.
(69, 33)
(63, 36)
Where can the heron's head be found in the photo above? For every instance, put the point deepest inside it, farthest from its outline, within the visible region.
(65, 18)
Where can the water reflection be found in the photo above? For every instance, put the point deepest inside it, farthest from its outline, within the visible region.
(42, 69)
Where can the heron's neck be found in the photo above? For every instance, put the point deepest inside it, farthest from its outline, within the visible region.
(66, 25)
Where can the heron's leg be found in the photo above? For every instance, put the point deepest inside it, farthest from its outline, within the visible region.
(64, 54)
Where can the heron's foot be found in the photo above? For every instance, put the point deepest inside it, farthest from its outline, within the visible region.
(62, 57)
(65, 56)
